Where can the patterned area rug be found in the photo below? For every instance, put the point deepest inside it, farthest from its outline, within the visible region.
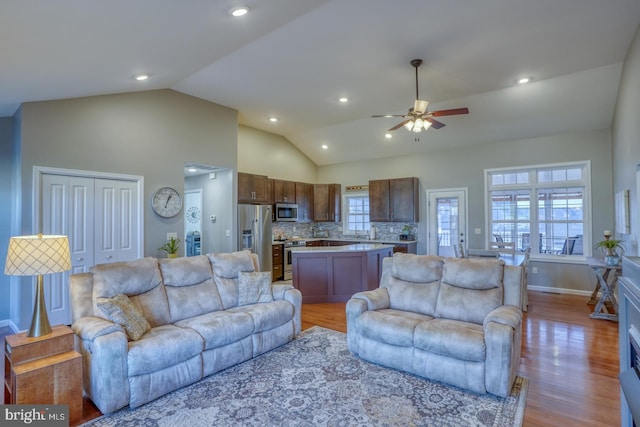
(316, 381)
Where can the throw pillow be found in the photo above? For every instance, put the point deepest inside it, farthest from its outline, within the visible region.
(120, 310)
(254, 287)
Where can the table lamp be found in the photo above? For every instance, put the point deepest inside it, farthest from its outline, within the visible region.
(38, 255)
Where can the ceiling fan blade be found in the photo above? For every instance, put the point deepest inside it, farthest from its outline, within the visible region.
(434, 123)
(399, 125)
(452, 112)
(390, 115)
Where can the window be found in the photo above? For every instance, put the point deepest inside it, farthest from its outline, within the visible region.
(550, 200)
(356, 213)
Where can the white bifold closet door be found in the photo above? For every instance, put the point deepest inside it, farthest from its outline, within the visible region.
(100, 217)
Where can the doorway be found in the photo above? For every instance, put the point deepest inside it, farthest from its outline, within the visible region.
(446, 220)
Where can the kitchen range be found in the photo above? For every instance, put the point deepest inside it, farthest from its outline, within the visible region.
(288, 263)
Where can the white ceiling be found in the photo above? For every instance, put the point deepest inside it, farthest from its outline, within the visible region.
(295, 58)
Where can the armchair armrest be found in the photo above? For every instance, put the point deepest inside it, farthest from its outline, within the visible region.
(508, 315)
(376, 299)
(104, 349)
(503, 339)
(90, 328)
(292, 295)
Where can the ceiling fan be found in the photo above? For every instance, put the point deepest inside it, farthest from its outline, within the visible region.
(419, 118)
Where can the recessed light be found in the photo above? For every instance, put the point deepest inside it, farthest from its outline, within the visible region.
(141, 77)
(524, 80)
(239, 11)
(192, 170)
(273, 119)
(388, 135)
(344, 99)
(325, 146)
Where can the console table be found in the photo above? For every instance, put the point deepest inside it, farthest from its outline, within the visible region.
(607, 276)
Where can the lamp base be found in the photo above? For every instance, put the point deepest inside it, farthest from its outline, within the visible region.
(40, 325)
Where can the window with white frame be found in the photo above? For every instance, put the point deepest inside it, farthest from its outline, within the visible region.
(544, 207)
(356, 213)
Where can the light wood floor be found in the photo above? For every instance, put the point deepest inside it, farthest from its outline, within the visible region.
(571, 360)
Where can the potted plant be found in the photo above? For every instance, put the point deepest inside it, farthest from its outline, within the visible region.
(171, 247)
(611, 256)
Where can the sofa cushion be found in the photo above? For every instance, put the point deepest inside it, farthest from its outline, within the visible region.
(162, 347)
(140, 280)
(452, 338)
(417, 268)
(189, 286)
(226, 267)
(470, 289)
(220, 328)
(267, 316)
(254, 287)
(390, 326)
(120, 310)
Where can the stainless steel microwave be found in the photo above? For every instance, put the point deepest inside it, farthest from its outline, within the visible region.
(286, 212)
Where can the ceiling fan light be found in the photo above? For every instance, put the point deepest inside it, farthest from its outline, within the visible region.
(409, 125)
(419, 124)
(426, 124)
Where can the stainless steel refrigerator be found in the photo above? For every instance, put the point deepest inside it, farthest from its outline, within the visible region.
(254, 232)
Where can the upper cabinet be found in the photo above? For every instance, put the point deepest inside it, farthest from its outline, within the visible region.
(284, 191)
(394, 200)
(304, 200)
(253, 188)
(326, 202)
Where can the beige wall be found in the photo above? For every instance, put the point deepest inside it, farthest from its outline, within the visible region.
(626, 139)
(265, 153)
(465, 168)
(151, 134)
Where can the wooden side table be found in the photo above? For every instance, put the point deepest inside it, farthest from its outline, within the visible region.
(607, 279)
(44, 370)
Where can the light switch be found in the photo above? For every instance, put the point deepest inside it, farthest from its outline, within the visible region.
(172, 235)
(227, 233)
(478, 231)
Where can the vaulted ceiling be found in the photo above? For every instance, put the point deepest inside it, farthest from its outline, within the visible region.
(293, 59)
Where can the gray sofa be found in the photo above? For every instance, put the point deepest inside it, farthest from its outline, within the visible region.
(448, 319)
(195, 325)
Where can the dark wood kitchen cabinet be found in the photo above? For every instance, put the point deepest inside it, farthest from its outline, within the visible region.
(326, 202)
(277, 266)
(394, 200)
(304, 200)
(252, 188)
(284, 191)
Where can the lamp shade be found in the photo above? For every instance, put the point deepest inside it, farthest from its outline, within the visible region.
(34, 255)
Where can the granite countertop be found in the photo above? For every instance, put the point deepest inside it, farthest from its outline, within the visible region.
(361, 240)
(357, 247)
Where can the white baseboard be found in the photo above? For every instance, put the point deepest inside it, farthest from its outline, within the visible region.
(10, 324)
(551, 290)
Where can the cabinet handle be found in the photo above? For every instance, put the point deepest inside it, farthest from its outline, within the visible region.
(79, 259)
(109, 257)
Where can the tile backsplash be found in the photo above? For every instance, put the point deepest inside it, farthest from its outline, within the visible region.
(334, 230)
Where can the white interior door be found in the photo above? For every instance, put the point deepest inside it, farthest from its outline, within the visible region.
(101, 217)
(116, 213)
(67, 210)
(446, 220)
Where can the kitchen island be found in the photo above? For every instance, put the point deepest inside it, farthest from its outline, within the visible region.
(335, 273)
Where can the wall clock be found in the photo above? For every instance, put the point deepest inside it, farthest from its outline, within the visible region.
(166, 202)
(193, 215)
